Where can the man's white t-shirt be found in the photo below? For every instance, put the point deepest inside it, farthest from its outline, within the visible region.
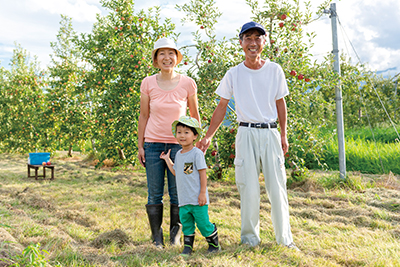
(255, 91)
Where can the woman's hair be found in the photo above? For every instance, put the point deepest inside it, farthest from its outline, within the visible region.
(187, 126)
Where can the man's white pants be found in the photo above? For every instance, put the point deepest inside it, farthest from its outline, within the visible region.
(255, 149)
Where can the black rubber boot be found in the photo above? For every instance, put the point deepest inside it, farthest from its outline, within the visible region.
(188, 240)
(212, 240)
(175, 228)
(155, 214)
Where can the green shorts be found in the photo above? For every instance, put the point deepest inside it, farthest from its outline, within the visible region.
(195, 215)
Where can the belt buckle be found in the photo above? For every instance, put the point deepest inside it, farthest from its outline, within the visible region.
(257, 125)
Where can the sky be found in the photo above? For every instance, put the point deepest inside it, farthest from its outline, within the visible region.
(371, 27)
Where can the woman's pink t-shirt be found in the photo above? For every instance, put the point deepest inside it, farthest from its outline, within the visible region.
(165, 107)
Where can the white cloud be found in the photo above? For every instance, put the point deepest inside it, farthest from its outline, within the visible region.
(35, 23)
(371, 26)
(78, 10)
(368, 26)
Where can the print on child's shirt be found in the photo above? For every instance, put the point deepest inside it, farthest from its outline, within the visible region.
(188, 168)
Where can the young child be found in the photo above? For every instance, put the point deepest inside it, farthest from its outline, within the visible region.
(191, 182)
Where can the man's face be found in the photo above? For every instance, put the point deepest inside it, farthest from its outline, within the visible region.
(253, 43)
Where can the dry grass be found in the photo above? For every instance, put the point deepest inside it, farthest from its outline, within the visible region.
(89, 217)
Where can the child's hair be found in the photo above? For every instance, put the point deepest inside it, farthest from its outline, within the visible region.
(187, 126)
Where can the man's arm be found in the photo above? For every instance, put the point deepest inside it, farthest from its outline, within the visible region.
(282, 117)
(216, 120)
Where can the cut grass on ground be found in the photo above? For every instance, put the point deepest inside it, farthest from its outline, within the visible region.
(89, 217)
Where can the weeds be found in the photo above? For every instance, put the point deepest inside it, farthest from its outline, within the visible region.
(365, 156)
(31, 256)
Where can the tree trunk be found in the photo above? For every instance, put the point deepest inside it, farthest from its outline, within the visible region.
(93, 145)
(70, 151)
(121, 154)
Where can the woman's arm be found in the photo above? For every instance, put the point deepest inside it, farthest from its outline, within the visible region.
(143, 118)
(194, 107)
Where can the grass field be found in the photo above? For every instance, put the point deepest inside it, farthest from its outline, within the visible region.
(366, 153)
(365, 156)
(89, 217)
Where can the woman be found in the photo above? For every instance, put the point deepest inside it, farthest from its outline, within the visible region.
(165, 97)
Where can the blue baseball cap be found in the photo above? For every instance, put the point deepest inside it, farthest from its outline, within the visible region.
(252, 25)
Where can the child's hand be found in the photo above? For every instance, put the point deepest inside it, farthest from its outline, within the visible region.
(165, 156)
(202, 199)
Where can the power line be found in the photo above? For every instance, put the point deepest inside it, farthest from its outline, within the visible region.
(351, 43)
(380, 100)
(362, 98)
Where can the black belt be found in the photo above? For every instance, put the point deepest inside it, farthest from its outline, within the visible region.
(259, 125)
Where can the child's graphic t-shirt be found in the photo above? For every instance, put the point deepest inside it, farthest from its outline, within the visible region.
(187, 166)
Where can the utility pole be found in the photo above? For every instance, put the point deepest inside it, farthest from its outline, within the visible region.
(338, 92)
(395, 91)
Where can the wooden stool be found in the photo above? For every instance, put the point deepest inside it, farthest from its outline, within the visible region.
(36, 167)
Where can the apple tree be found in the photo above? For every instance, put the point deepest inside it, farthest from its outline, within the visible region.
(289, 45)
(23, 124)
(367, 96)
(118, 55)
(213, 58)
(68, 106)
(3, 102)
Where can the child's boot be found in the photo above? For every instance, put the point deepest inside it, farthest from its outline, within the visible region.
(212, 240)
(188, 242)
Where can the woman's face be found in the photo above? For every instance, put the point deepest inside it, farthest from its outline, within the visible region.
(166, 59)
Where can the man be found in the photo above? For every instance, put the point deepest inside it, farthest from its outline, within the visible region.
(259, 88)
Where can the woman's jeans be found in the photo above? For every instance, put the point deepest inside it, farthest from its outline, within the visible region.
(155, 171)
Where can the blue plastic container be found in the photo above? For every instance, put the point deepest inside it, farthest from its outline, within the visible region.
(38, 158)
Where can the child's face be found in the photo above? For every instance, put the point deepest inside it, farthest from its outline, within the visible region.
(185, 136)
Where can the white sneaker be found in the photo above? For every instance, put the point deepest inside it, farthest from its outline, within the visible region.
(293, 246)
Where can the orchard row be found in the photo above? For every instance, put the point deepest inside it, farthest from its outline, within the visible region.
(91, 91)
